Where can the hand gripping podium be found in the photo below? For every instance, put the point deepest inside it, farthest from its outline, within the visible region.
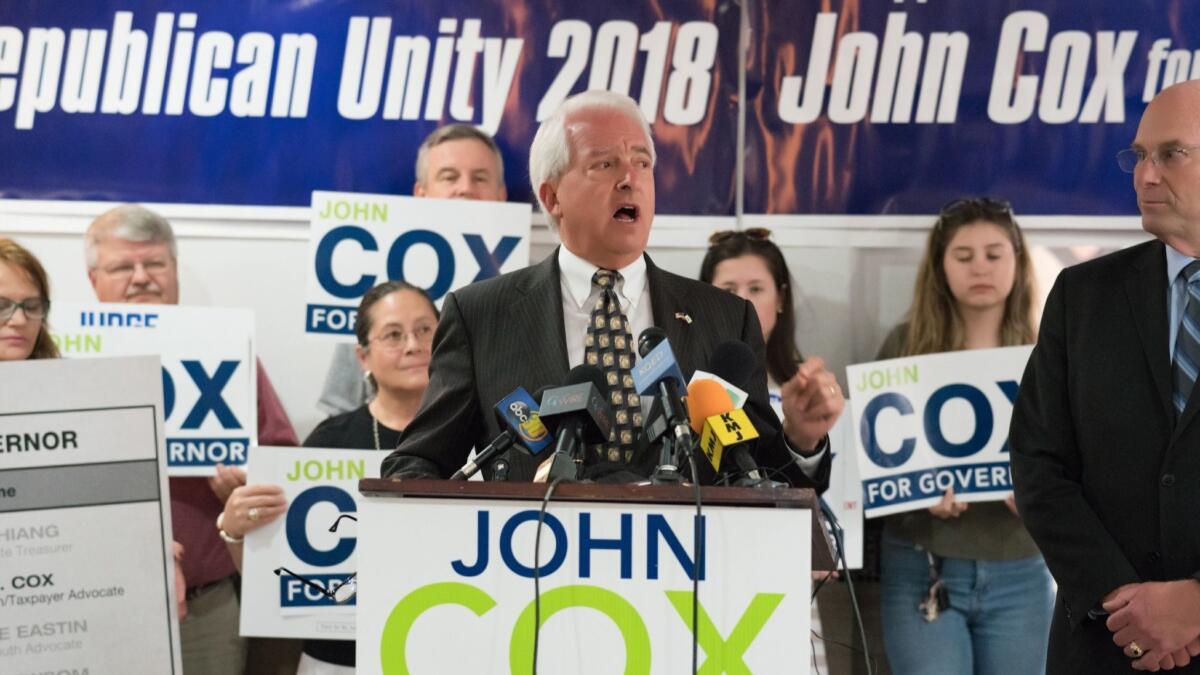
(447, 580)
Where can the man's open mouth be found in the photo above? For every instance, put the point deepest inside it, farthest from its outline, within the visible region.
(626, 213)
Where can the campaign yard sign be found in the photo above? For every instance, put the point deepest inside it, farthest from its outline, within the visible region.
(929, 423)
(439, 245)
(286, 562)
(208, 371)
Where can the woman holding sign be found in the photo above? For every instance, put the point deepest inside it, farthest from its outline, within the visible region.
(24, 305)
(964, 589)
(394, 328)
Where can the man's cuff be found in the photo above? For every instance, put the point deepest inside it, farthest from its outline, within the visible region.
(810, 462)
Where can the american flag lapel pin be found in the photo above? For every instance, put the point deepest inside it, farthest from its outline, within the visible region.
(684, 317)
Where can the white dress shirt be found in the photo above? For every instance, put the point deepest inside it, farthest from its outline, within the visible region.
(579, 296)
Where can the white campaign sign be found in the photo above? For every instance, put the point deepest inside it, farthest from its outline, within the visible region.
(446, 586)
(925, 424)
(208, 371)
(85, 529)
(360, 240)
(320, 486)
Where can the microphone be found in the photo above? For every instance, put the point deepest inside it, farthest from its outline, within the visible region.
(657, 374)
(729, 435)
(517, 414)
(707, 401)
(734, 362)
(576, 413)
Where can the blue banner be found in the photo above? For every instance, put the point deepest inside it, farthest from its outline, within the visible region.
(898, 107)
(264, 102)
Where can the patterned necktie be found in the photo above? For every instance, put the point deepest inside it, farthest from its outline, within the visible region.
(1187, 340)
(609, 347)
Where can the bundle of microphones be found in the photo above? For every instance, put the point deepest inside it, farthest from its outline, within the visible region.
(701, 421)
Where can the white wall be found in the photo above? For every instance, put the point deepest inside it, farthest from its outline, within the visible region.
(854, 274)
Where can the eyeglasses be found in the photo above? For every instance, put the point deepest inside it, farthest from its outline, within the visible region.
(35, 308)
(755, 233)
(344, 591)
(1169, 157)
(989, 205)
(341, 593)
(396, 338)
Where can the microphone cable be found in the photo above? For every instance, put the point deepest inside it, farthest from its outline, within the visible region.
(537, 570)
(699, 544)
(839, 540)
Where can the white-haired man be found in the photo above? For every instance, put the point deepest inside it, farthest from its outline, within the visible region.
(132, 257)
(455, 161)
(592, 167)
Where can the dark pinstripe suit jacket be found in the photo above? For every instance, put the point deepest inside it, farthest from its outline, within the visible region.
(506, 332)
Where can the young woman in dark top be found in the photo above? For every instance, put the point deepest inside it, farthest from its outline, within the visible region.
(394, 328)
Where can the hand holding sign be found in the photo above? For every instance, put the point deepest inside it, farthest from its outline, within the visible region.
(228, 479)
(249, 507)
(949, 507)
(812, 402)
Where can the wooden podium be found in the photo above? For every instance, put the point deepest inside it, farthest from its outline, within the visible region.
(448, 581)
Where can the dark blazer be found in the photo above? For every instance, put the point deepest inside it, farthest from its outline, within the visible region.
(1106, 481)
(506, 332)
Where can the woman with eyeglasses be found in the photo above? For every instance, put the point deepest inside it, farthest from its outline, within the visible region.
(394, 328)
(974, 290)
(24, 305)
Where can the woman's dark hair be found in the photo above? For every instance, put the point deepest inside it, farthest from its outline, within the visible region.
(362, 322)
(783, 356)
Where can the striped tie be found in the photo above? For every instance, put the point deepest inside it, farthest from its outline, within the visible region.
(1187, 342)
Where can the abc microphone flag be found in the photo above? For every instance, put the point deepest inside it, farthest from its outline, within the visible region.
(519, 413)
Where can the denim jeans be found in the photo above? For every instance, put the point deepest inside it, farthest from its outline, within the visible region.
(998, 621)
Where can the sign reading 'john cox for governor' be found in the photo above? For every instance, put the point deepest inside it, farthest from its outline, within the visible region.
(321, 487)
(926, 424)
(439, 245)
(85, 565)
(208, 371)
(447, 586)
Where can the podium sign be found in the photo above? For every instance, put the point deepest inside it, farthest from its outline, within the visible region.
(84, 524)
(447, 586)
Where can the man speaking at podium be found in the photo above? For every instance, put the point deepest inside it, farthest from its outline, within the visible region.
(592, 167)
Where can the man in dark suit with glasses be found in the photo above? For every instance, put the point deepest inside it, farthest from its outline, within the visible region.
(1105, 434)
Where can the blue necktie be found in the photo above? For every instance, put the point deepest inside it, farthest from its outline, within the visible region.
(1187, 341)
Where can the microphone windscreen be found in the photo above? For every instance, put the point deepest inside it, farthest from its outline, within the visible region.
(734, 362)
(705, 399)
(649, 339)
(585, 373)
